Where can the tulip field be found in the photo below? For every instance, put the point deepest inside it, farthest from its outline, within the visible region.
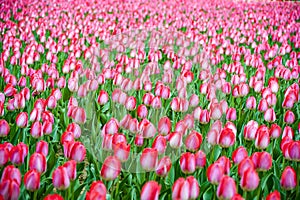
(149, 99)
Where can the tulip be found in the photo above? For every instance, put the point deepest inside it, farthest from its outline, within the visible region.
(9, 189)
(251, 103)
(22, 119)
(160, 144)
(18, 153)
(139, 140)
(130, 103)
(150, 191)
(111, 127)
(288, 131)
(194, 100)
(53, 197)
(239, 154)
(75, 151)
(60, 178)
(250, 180)
(294, 150)
(262, 139)
(79, 115)
(244, 165)
(32, 180)
(193, 141)
(71, 169)
(75, 129)
(175, 104)
(216, 111)
(10, 172)
(204, 117)
(142, 111)
(185, 189)
(273, 196)
(4, 128)
(262, 161)
(163, 167)
(47, 127)
(36, 129)
(200, 159)
(147, 129)
(97, 191)
(103, 97)
(250, 130)
(121, 151)
(149, 159)
(231, 114)
(4, 155)
(227, 188)
(111, 168)
(270, 115)
(175, 140)
(226, 138)
(187, 163)
(214, 173)
(289, 117)
(275, 131)
(38, 162)
(263, 105)
(164, 126)
(51, 102)
(288, 178)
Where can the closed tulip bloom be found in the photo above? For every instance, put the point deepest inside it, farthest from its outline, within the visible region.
(111, 168)
(185, 189)
(75, 129)
(121, 151)
(262, 161)
(251, 103)
(270, 115)
(111, 127)
(194, 100)
(175, 104)
(149, 159)
(273, 196)
(47, 127)
(239, 154)
(249, 180)
(53, 197)
(288, 178)
(250, 130)
(288, 131)
(38, 162)
(139, 140)
(193, 141)
(4, 155)
(4, 128)
(51, 102)
(164, 125)
(79, 115)
(36, 129)
(244, 165)
(147, 129)
(175, 140)
(200, 158)
(75, 151)
(160, 144)
(214, 173)
(103, 97)
(289, 117)
(294, 150)
(275, 131)
(71, 169)
(60, 178)
(9, 189)
(156, 103)
(97, 191)
(262, 105)
(231, 114)
(130, 103)
(142, 111)
(17, 154)
(226, 138)
(150, 191)
(11, 172)
(204, 117)
(194, 189)
(262, 139)
(196, 113)
(22, 119)
(227, 188)
(215, 111)
(163, 167)
(187, 163)
(32, 180)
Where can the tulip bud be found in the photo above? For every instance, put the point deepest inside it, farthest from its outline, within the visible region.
(142, 111)
(74, 151)
(288, 178)
(38, 162)
(36, 129)
(53, 197)
(150, 191)
(239, 154)
(175, 140)
(270, 115)
(275, 131)
(9, 189)
(187, 163)
(250, 180)
(193, 141)
(163, 166)
(111, 168)
(226, 138)
(97, 191)
(289, 117)
(4, 128)
(273, 196)
(251, 103)
(262, 139)
(160, 144)
(214, 173)
(164, 126)
(227, 188)
(231, 114)
(71, 169)
(149, 159)
(32, 180)
(60, 178)
(121, 151)
(22, 119)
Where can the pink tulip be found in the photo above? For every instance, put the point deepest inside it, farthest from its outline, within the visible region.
(214, 173)
(160, 144)
(226, 138)
(250, 180)
(187, 163)
(60, 178)
(97, 191)
(4, 128)
(185, 189)
(111, 168)
(149, 159)
(71, 169)
(22, 119)
(32, 180)
(273, 196)
(164, 126)
(288, 178)
(38, 162)
(150, 191)
(193, 141)
(289, 117)
(130, 103)
(239, 154)
(262, 161)
(74, 151)
(163, 167)
(227, 188)
(121, 151)
(142, 111)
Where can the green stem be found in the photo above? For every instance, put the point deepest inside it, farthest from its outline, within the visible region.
(35, 195)
(245, 194)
